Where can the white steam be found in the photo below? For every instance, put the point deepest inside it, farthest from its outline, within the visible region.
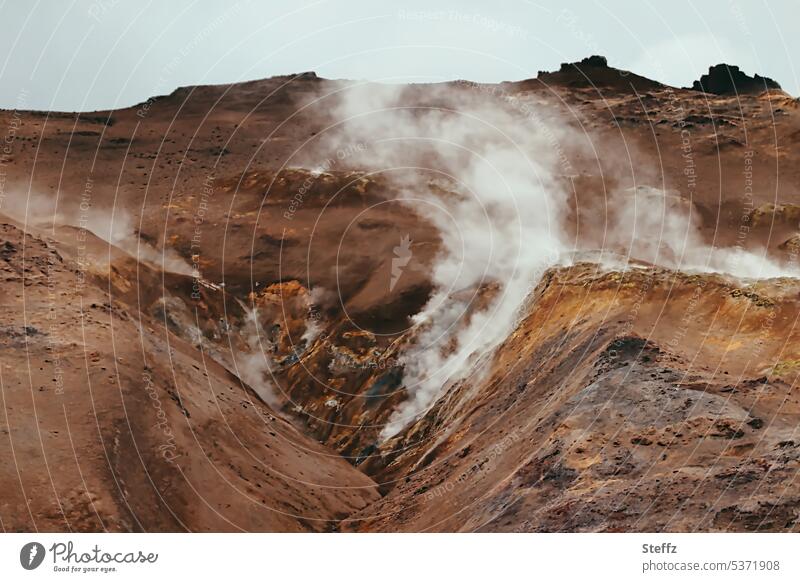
(496, 167)
(651, 225)
(255, 367)
(115, 226)
(494, 178)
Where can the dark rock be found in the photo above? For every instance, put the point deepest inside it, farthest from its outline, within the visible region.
(592, 61)
(594, 72)
(726, 430)
(729, 80)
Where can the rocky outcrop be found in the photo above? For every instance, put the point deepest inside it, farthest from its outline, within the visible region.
(725, 79)
(594, 72)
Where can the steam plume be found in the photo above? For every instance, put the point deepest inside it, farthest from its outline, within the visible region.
(496, 168)
(116, 226)
(495, 179)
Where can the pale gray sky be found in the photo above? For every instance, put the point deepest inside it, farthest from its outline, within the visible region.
(83, 54)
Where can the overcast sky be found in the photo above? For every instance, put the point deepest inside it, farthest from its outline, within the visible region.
(82, 55)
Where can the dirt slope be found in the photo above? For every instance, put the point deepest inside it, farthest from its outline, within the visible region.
(640, 401)
(111, 422)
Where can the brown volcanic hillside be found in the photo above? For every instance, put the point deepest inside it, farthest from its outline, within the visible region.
(113, 423)
(294, 229)
(646, 400)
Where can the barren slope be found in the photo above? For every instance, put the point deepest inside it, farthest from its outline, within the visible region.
(645, 400)
(112, 422)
